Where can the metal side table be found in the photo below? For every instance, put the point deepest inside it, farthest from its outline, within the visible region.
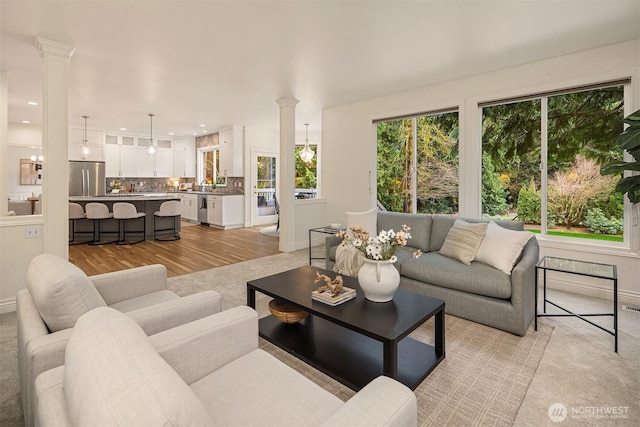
(581, 268)
(323, 230)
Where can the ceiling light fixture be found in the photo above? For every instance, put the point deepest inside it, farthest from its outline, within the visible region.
(306, 154)
(32, 103)
(152, 149)
(85, 146)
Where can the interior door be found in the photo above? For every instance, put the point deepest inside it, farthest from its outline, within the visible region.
(263, 188)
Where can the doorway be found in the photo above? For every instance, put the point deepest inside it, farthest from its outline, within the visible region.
(263, 188)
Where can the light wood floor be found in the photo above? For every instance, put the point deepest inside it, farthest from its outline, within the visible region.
(200, 248)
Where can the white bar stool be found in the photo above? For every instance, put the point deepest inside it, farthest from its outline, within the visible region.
(76, 213)
(98, 212)
(171, 208)
(125, 212)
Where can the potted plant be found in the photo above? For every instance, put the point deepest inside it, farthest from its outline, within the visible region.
(628, 140)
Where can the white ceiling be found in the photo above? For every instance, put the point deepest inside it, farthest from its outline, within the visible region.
(220, 63)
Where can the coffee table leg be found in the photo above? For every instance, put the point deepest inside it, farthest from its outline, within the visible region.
(390, 359)
(251, 297)
(439, 330)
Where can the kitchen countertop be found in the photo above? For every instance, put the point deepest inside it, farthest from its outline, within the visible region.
(122, 197)
(208, 193)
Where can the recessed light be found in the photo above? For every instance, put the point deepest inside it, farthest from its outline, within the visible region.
(171, 133)
(195, 133)
(32, 103)
(202, 126)
(204, 131)
(26, 122)
(123, 128)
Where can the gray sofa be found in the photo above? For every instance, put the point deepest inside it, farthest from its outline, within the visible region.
(476, 292)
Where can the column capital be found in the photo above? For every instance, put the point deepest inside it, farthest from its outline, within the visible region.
(54, 48)
(287, 102)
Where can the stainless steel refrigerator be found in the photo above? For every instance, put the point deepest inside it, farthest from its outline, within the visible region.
(86, 178)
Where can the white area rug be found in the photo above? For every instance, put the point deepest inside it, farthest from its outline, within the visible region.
(270, 231)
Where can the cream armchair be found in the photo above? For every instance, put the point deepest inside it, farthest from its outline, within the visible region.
(206, 373)
(58, 293)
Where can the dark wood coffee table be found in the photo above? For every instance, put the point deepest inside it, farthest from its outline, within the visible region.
(358, 340)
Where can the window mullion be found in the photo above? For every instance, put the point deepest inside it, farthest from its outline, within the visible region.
(544, 112)
(414, 166)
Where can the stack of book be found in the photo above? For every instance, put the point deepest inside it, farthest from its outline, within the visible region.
(328, 298)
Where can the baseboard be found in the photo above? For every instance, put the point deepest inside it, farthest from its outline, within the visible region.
(628, 297)
(7, 306)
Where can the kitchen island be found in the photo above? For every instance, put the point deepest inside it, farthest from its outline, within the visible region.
(148, 203)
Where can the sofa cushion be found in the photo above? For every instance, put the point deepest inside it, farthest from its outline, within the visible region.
(463, 241)
(442, 224)
(113, 374)
(420, 227)
(501, 248)
(259, 390)
(476, 278)
(367, 220)
(61, 291)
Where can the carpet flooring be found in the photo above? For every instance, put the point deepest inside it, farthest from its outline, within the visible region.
(482, 381)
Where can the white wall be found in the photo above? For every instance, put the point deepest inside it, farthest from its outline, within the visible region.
(348, 142)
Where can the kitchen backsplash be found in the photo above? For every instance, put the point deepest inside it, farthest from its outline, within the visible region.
(235, 185)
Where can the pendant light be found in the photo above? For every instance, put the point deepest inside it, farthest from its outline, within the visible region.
(85, 147)
(306, 154)
(152, 149)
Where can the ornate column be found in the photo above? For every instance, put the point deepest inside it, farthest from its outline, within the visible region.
(287, 173)
(55, 144)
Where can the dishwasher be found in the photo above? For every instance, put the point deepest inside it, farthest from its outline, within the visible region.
(202, 208)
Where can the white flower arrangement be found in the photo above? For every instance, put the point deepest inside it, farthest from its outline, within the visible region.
(381, 247)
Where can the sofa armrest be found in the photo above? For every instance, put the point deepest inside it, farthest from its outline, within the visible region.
(196, 349)
(169, 314)
(50, 403)
(330, 242)
(523, 273)
(41, 354)
(134, 282)
(382, 402)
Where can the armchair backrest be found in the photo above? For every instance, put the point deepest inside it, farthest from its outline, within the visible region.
(60, 291)
(113, 375)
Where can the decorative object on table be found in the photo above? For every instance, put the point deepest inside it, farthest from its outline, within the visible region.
(628, 140)
(378, 277)
(285, 312)
(333, 286)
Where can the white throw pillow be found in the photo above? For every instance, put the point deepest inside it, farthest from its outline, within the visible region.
(463, 240)
(367, 220)
(501, 247)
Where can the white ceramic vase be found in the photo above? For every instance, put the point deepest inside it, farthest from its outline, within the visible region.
(379, 280)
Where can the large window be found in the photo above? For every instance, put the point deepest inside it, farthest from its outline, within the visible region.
(541, 161)
(306, 174)
(418, 163)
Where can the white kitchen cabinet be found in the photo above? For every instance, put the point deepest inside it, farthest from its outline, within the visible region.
(159, 164)
(184, 158)
(231, 142)
(95, 142)
(225, 211)
(189, 206)
(145, 162)
(120, 156)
